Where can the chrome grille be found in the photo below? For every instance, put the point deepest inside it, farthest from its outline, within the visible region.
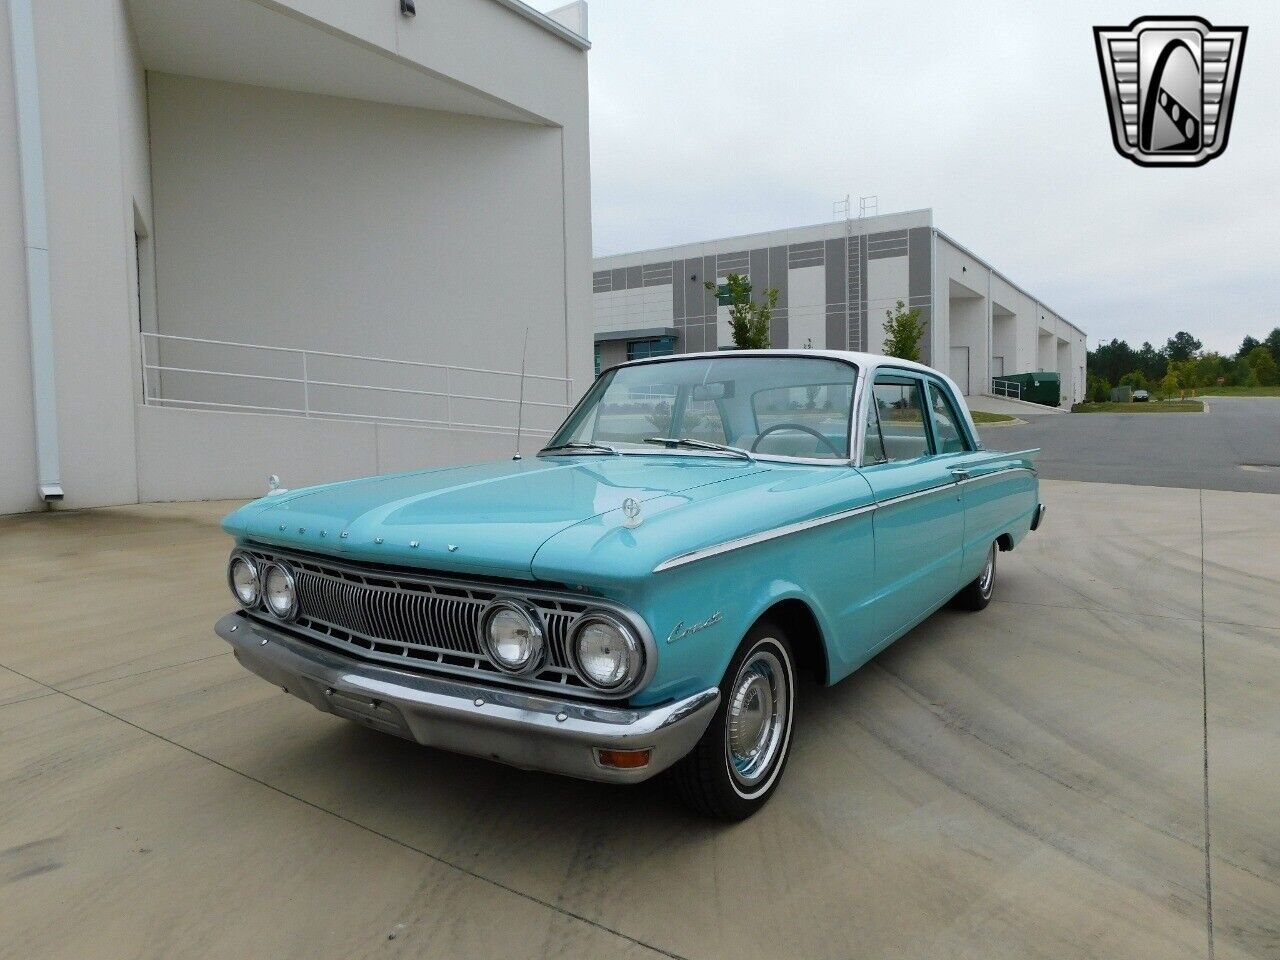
(420, 621)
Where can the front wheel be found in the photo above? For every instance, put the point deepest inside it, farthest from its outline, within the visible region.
(735, 767)
(977, 594)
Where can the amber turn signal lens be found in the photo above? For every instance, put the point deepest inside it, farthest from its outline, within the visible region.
(624, 759)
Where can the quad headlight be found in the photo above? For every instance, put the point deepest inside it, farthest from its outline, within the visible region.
(242, 577)
(606, 651)
(279, 591)
(512, 637)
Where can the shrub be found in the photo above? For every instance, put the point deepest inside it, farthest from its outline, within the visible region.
(1099, 389)
(1264, 367)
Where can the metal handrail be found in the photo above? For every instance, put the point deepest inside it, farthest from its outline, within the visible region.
(157, 398)
(353, 356)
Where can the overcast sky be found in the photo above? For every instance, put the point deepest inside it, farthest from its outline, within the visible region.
(719, 117)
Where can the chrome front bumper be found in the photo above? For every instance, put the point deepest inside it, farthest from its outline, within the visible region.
(524, 730)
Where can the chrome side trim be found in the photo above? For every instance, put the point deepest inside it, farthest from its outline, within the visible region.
(702, 553)
(787, 530)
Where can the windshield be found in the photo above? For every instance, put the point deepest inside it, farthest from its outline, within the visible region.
(772, 406)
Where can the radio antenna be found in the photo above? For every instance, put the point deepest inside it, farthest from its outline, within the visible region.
(524, 354)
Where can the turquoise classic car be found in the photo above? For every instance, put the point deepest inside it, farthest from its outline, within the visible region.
(640, 597)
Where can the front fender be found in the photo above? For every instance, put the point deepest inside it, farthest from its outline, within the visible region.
(700, 612)
(693, 655)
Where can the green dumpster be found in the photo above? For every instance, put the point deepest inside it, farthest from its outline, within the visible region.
(1041, 387)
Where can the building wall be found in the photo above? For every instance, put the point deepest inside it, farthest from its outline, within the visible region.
(835, 285)
(207, 455)
(981, 311)
(888, 281)
(293, 218)
(834, 282)
(17, 419)
(612, 352)
(91, 93)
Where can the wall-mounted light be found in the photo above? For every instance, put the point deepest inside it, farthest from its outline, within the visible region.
(408, 9)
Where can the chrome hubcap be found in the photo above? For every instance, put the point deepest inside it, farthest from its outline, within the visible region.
(756, 722)
(988, 578)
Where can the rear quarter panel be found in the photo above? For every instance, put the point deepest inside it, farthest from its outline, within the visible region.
(1000, 500)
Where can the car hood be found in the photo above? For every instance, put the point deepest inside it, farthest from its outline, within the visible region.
(488, 519)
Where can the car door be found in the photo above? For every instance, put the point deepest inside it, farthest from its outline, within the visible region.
(957, 454)
(991, 492)
(918, 524)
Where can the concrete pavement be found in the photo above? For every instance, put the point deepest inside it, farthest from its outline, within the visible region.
(1234, 445)
(1014, 408)
(1024, 782)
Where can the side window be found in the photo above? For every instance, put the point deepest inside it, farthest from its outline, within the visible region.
(951, 437)
(900, 404)
(873, 442)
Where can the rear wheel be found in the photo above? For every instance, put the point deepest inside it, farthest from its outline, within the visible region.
(977, 594)
(735, 767)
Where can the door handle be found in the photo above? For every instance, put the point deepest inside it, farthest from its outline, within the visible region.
(960, 473)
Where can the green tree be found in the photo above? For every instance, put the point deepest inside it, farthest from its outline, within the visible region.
(1135, 379)
(1182, 346)
(748, 319)
(902, 333)
(1236, 371)
(1209, 369)
(1264, 366)
(1169, 385)
(1152, 362)
(1272, 343)
(1247, 345)
(1184, 372)
(1111, 361)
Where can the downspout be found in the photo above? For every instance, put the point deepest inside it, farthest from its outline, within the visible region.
(991, 333)
(36, 244)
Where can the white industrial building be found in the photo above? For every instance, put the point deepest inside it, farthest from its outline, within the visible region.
(835, 281)
(300, 236)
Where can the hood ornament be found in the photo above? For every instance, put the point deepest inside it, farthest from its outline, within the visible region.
(273, 486)
(631, 510)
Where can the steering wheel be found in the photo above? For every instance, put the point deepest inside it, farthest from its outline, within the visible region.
(796, 426)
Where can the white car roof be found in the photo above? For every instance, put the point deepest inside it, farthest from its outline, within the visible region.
(863, 360)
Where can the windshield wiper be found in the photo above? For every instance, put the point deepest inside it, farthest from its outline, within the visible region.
(700, 445)
(573, 446)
